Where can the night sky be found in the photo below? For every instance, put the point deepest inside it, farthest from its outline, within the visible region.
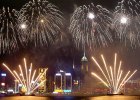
(61, 54)
(64, 5)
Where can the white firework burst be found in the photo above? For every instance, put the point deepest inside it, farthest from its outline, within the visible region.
(126, 22)
(10, 38)
(89, 26)
(41, 21)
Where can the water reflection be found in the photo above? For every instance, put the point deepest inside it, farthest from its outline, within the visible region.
(71, 98)
(115, 98)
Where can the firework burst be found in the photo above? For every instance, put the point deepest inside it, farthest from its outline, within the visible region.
(9, 35)
(89, 25)
(126, 21)
(114, 78)
(28, 79)
(41, 21)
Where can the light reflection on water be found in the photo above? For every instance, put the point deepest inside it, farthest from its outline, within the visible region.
(115, 98)
(24, 98)
(71, 98)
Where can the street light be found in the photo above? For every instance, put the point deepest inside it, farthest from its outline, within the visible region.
(123, 20)
(91, 15)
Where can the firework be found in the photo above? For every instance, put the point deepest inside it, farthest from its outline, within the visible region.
(114, 78)
(89, 25)
(9, 36)
(28, 79)
(41, 21)
(126, 22)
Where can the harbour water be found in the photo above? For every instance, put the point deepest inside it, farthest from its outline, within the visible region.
(116, 97)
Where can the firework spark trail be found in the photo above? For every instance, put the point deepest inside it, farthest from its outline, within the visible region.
(28, 83)
(18, 77)
(101, 70)
(9, 70)
(43, 20)
(118, 73)
(100, 79)
(124, 79)
(32, 78)
(114, 77)
(89, 26)
(120, 87)
(8, 30)
(126, 22)
(115, 70)
(22, 75)
(109, 76)
(25, 65)
(118, 80)
(37, 79)
(30, 70)
(37, 86)
(113, 84)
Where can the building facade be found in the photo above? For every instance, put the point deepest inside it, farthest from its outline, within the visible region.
(62, 82)
(42, 80)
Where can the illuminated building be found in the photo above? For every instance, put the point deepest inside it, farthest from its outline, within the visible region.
(42, 87)
(3, 81)
(50, 84)
(68, 78)
(62, 82)
(16, 86)
(58, 81)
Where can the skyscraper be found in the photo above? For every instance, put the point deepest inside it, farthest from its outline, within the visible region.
(50, 84)
(68, 78)
(42, 87)
(63, 82)
(58, 81)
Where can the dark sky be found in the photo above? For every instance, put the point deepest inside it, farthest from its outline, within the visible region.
(62, 54)
(64, 5)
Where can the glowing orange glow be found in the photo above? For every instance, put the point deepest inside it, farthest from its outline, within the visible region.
(28, 79)
(114, 78)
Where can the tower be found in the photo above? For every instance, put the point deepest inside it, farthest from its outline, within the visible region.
(83, 73)
(84, 66)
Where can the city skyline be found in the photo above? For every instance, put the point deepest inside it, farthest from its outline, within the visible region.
(63, 54)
